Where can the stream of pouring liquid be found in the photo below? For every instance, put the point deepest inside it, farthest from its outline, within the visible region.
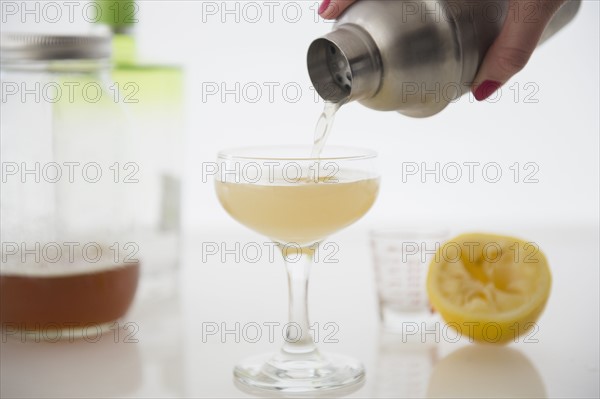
(323, 128)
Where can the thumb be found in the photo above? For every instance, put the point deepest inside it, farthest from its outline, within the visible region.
(525, 22)
(331, 9)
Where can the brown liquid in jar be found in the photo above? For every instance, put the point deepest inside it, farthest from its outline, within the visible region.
(67, 301)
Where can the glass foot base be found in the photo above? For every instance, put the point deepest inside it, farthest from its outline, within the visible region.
(296, 375)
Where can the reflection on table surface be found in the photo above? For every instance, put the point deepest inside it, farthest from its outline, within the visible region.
(124, 364)
(478, 371)
(66, 369)
(130, 359)
(415, 370)
(170, 358)
(402, 369)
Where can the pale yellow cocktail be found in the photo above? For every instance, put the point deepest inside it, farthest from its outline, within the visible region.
(301, 213)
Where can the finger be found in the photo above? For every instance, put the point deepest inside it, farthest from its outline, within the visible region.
(518, 38)
(331, 9)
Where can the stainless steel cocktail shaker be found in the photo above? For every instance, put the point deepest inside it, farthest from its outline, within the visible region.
(411, 56)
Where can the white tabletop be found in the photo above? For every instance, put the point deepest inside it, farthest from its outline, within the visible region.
(172, 358)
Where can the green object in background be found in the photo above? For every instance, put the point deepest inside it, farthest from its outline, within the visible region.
(124, 52)
(147, 83)
(119, 14)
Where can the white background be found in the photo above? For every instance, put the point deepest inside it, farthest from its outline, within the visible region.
(559, 132)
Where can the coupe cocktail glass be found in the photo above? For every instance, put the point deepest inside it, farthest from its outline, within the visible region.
(297, 201)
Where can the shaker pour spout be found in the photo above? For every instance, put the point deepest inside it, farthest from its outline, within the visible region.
(345, 65)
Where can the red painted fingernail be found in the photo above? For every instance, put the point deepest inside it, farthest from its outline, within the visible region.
(486, 89)
(324, 6)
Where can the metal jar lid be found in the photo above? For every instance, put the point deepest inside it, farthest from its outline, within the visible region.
(16, 47)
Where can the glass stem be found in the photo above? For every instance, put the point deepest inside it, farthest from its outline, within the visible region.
(298, 339)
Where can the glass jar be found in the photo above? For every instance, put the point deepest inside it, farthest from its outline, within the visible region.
(153, 93)
(69, 260)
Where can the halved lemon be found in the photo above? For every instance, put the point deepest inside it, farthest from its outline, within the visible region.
(491, 288)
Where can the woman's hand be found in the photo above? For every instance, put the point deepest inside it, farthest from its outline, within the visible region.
(510, 52)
